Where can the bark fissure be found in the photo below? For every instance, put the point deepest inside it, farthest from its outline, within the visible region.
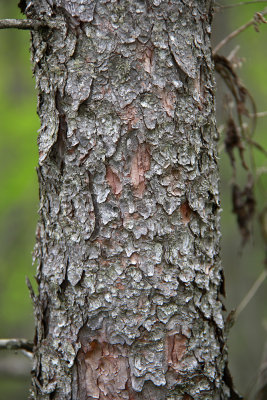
(95, 232)
(129, 268)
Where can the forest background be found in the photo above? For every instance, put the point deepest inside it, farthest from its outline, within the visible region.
(19, 124)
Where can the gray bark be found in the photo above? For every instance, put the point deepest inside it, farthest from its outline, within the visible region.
(129, 269)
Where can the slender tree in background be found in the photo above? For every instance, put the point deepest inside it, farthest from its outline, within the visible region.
(129, 270)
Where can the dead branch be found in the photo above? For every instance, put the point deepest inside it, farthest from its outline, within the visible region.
(26, 24)
(16, 344)
(258, 18)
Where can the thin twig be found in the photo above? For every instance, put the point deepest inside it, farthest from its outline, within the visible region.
(28, 24)
(237, 32)
(16, 344)
(259, 114)
(243, 3)
(253, 290)
(233, 53)
(20, 24)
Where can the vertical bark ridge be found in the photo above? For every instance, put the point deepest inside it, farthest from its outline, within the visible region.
(128, 240)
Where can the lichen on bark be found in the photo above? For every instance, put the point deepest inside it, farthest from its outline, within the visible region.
(129, 269)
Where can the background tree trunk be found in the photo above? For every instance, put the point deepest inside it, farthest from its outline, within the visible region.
(128, 241)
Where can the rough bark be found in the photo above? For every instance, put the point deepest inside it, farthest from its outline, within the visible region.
(129, 269)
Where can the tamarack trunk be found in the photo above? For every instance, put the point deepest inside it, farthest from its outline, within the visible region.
(129, 270)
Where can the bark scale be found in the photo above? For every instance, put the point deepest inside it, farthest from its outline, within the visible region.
(129, 270)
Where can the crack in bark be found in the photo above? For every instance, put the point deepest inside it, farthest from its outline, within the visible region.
(96, 229)
(58, 149)
(181, 73)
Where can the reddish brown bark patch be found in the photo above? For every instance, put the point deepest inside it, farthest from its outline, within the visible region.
(104, 371)
(146, 58)
(187, 397)
(177, 346)
(130, 115)
(119, 285)
(140, 165)
(186, 212)
(113, 180)
(168, 99)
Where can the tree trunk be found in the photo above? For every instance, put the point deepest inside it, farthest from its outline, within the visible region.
(129, 269)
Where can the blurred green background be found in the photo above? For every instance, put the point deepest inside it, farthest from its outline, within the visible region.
(244, 265)
(19, 202)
